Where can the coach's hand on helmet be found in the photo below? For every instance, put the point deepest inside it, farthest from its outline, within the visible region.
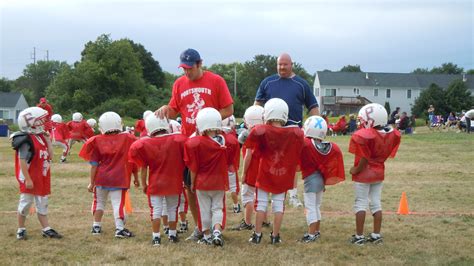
(163, 112)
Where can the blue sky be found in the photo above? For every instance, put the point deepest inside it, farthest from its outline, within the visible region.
(381, 36)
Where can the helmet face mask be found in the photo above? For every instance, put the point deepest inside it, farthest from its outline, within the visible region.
(154, 124)
(32, 120)
(110, 122)
(254, 116)
(229, 122)
(372, 115)
(315, 127)
(276, 109)
(208, 119)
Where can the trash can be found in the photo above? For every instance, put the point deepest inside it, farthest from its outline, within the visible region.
(3, 130)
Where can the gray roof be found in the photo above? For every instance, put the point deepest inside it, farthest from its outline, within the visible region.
(9, 99)
(389, 79)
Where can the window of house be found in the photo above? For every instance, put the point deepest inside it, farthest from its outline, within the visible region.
(376, 92)
(356, 91)
(408, 94)
(3, 114)
(330, 92)
(388, 93)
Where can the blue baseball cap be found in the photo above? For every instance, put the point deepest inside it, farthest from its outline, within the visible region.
(188, 58)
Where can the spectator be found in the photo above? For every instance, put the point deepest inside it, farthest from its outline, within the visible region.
(404, 123)
(393, 115)
(43, 103)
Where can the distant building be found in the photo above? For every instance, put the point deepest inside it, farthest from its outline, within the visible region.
(345, 92)
(11, 104)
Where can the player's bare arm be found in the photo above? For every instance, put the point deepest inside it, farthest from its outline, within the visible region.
(193, 179)
(91, 185)
(227, 111)
(24, 170)
(360, 167)
(314, 111)
(246, 164)
(143, 174)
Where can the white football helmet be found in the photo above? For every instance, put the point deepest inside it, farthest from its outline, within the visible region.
(77, 117)
(254, 115)
(315, 127)
(208, 119)
(91, 122)
(154, 124)
(32, 119)
(109, 122)
(146, 113)
(275, 109)
(57, 118)
(175, 126)
(372, 115)
(229, 122)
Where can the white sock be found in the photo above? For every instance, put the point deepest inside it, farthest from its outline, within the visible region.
(21, 229)
(46, 229)
(99, 224)
(216, 232)
(236, 205)
(311, 235)
(156, 234)
(359, 236)
(172, 232)
(374, 235)
(258, 234)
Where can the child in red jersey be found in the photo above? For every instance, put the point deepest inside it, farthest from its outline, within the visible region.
(228, 126)
(280, 148)
(110, 171)
(32, 169)
(209, 157)
(161, 155)
(321, 164)
(60, 135)
(372, 146)
(79, 130)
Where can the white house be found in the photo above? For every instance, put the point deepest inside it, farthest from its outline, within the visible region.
(11, 104)
(345, 92)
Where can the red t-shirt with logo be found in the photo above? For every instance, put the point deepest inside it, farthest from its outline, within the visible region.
(110, 151)
(376, 146)
(280, 149)
(38, 168)
(210, 161)
(190, 96)
(331, 164)
(163, 155)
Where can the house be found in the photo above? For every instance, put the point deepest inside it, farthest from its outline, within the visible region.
(345, 92)
(11, 104)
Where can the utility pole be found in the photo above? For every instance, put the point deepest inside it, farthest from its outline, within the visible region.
(47, 55)
(34, 55)
(235, 79)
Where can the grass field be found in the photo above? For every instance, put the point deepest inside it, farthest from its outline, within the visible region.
(435, 169)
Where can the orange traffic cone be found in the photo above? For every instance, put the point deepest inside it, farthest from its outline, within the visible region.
(403, 207)
(128, 203)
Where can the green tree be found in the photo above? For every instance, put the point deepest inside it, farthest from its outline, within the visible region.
(6, 85)
(387, 107)
(421, 71)
(470, 72)
(351, 68)
(152, 72)
(434, 95)
(447, 68)
(458, 97)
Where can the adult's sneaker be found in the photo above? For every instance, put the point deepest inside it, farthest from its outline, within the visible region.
(195, 236)
(96, 230)
(173, 239)
(124, 233)
(242, 226)
(307, 238)
(21, 235)
(359, 241)
(156, 241)
(377, 240)
(217, 239)
(275, 239)
(255, 239)
(51, 233)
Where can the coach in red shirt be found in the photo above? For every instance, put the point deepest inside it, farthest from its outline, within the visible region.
(193, 91)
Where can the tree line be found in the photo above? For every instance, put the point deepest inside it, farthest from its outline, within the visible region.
(122, 76)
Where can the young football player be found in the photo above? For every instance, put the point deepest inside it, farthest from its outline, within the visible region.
(209, 157)
(279, 148)
(60, 135)
(79, 130)
(110, 172)
(161, 155)
(372, 146)
(32, 169)
(228, 126)
(321, 164)
(92, 124)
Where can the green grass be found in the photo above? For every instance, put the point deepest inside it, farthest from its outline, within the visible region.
(434, 168)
